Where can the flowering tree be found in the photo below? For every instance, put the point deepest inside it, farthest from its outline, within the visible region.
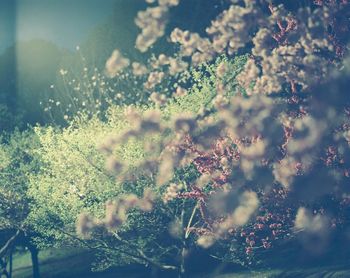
(246, 148)
(270, 142)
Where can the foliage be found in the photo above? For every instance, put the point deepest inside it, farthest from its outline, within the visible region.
(73, 178)
(233, 155)
(17, 161)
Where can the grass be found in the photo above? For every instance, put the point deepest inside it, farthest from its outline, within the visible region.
(316, 272)
(64, 263)
(69, 263)
(53, 263)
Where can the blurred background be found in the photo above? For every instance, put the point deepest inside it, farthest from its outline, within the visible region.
(42, 40)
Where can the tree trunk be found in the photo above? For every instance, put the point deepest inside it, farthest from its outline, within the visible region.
(182, 270)
(3, 270)
(182, 273)
(35, 261)
(11, 263)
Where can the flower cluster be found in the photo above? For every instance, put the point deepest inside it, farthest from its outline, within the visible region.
(116, 63)
(116, 213)
(152, 22)
(290, 48)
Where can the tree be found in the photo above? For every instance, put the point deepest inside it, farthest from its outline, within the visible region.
(270, 137)
(252, 152)
(17, 161)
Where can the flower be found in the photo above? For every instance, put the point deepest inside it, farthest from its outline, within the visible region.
(116, 63)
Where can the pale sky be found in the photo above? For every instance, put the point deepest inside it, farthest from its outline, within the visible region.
(64, 22)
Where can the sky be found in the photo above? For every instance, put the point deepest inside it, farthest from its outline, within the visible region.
(63, 22)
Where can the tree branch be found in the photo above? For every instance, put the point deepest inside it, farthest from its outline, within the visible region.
(9, 243)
